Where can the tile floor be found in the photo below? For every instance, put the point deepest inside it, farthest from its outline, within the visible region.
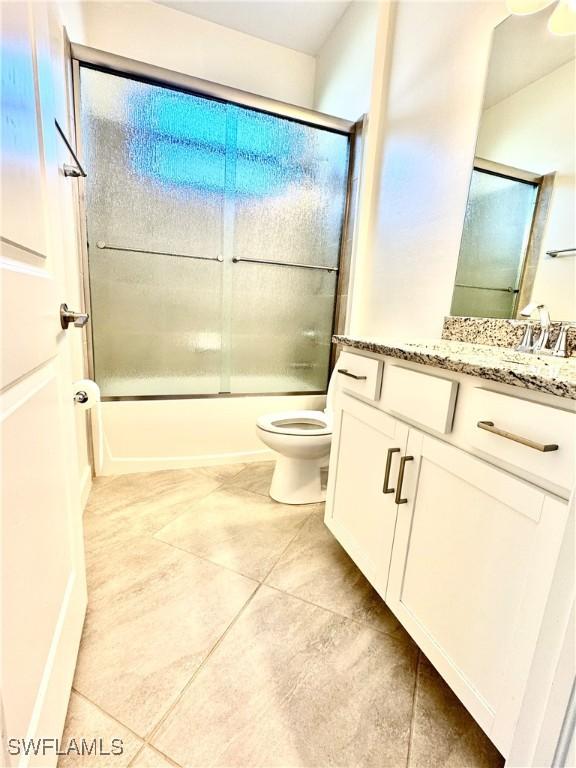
(224, 629)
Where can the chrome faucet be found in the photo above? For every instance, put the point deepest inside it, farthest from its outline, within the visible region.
(541, 343)
(527, 341)
(561, 346)
(527, 345)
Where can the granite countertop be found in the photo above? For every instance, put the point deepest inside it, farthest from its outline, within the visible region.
(553, 375)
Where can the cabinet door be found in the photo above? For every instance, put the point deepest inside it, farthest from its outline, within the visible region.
(474, 554)
(359, 512)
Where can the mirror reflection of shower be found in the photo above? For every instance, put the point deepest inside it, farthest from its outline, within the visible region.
(520, 226)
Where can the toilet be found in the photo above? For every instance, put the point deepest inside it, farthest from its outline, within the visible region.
(302, 441)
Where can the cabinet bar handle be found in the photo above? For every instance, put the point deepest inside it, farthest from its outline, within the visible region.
(391, 452)
(346, 372)
(544, 447)
(399, 499)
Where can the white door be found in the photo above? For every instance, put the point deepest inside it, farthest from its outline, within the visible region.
(42, 567)
(361, 506)
(472, 563)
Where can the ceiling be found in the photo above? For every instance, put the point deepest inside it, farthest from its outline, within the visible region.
(523, 51)
(303, 25)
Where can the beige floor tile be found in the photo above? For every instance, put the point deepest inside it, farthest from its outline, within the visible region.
(125, 506)
(223, 473)
(316, 568)
(255, 477)
(444, 734)
(150, 758)
(85, 721)
(291, 684)
(238, 529)
(122, 490)
(294, 685)
(154, 612)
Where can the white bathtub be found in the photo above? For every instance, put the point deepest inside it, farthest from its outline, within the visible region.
(149, 435)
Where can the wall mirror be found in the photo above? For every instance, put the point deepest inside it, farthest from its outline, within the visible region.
(519, 237)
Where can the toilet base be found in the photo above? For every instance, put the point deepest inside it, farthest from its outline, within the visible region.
(298, 481)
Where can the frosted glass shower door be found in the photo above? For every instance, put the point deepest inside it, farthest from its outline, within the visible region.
(155, 193)
(496, 231)
(289, 198)
(213, 241)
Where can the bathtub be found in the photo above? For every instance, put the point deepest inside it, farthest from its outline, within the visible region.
(150, 435)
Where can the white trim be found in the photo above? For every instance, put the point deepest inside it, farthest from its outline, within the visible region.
(85, 485)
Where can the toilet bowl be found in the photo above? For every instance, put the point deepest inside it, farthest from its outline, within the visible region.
(302, 441)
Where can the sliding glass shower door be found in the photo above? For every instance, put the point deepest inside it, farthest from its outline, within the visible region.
(213, 241)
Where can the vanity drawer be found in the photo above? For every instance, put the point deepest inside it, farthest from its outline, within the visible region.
(420, 397)
(522, 434)
(360, 375)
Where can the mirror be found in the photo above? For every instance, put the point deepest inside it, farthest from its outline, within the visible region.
(519, 240)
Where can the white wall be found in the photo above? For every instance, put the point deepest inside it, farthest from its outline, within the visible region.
(413, 211)
(71, 13)
(178, 41)
(344, 63)
(535, 130)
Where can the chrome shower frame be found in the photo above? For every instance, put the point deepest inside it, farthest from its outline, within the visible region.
(149, 73)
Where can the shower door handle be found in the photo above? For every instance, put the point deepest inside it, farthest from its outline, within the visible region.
(67, 316)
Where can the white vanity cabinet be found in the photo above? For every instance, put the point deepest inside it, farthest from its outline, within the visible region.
(364, 464)
(462, 550)
(472, 563)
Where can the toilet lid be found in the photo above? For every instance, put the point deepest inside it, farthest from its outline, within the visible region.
(301, 423)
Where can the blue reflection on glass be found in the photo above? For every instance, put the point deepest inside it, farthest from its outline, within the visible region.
(207, 145)
(179, 140)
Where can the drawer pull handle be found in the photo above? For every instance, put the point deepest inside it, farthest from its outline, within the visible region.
(391, 452)
(399, 499)
(544, 447)
(346, 372)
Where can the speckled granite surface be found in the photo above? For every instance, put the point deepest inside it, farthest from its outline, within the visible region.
(555, 376)
(497, 332)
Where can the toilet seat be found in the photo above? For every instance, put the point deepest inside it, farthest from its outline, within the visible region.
(300, 423)
(300, 441)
